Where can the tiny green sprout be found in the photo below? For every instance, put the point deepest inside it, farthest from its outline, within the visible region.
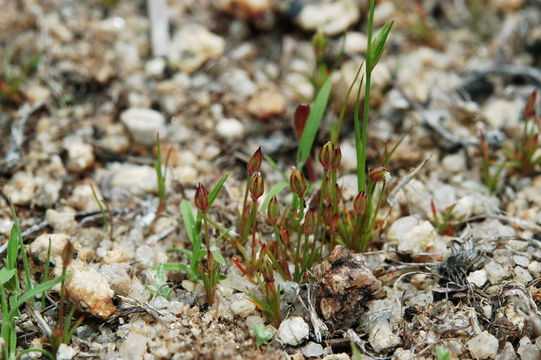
(262, 334)
(355, 352)
(161, 174)
(442, 353)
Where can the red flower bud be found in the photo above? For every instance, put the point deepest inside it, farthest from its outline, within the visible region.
(67, 254)
(201, 198)
(529, 109)
(273, 211)
(360, 203)
(333, 225)
(255, 161)
(301, 115)
(328, 214)
(257, 186)
(326, 155)
(298, 183)
(309, 222)
(337, 157)
(379, 174)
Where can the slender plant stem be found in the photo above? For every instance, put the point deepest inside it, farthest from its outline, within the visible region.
(361, 170)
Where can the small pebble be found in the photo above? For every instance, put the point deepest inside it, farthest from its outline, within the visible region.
(241, 306)
(521, 260)
(483, 346)
(143, 124)
(293, 331)
(527, 350)
(312, 349)
(331, 18)
(266, 104)
(479, 277)
(65, 352)
(230, 129)
(192, 46)
(80, 156)
(522, 275)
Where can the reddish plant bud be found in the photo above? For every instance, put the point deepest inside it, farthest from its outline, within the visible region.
(326, 155)
(67, 254)
(284, 234)
(529, 109)
(301, 115)
(273, 211)
(201, 198)
(483, 145)
(257, 186)
(255, 162)
(309, 225)
(319, 42)
(298, 183)
(379, 174)
(360, 203)
(328, 214)
(337, 157)
(333, 225)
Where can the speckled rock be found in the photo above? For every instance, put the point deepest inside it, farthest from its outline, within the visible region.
(80, 156)
(143, 124)
(331, 18)
(192, 46)
(293, 331)
(266, 104)
(483, 346)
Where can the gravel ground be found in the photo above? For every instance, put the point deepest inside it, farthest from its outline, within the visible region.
(86, 85)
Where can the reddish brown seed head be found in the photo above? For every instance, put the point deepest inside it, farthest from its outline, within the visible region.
(257, 187)
(360, 203)
(254, 164)
(298, 183)
(301, 115)
(201, 198)
(273, 211)
(378, 174)
(326, 155)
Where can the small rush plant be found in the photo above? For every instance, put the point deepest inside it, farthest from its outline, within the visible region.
(300, 219)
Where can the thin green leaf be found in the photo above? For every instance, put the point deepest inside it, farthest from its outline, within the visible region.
(172, 267)
(6, 275)
(355, 352)
(186, 211)
(33, 292)
(13, 247)
(378, 44)
(313, 123)
(218, 257)
(274, 190)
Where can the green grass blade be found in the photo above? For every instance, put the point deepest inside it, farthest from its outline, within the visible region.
(313, 123)
(186, 211)
(42, 351)
(33, 292)
(218, 257)
(274, 190)
(6, 275)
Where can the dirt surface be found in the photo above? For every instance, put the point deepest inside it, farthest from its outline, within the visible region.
(86, 85)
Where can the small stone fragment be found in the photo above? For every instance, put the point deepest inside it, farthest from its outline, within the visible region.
(230, 129)
(527, 350)
(507, 353)
(246, 9)
(65, 352)
(62, 222)
(312, 349)
(522, 275)
(293, 331)
(87, 287)
(192, 46)
(20, 188)
(266, 104)
(241, 306)
(479, 277)
(134, 347)
(483, 346)
(80, 156)
(143, 124)
(344, 283)
(136, 179)
(415, 235)
(341, 356)
(331, 18)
